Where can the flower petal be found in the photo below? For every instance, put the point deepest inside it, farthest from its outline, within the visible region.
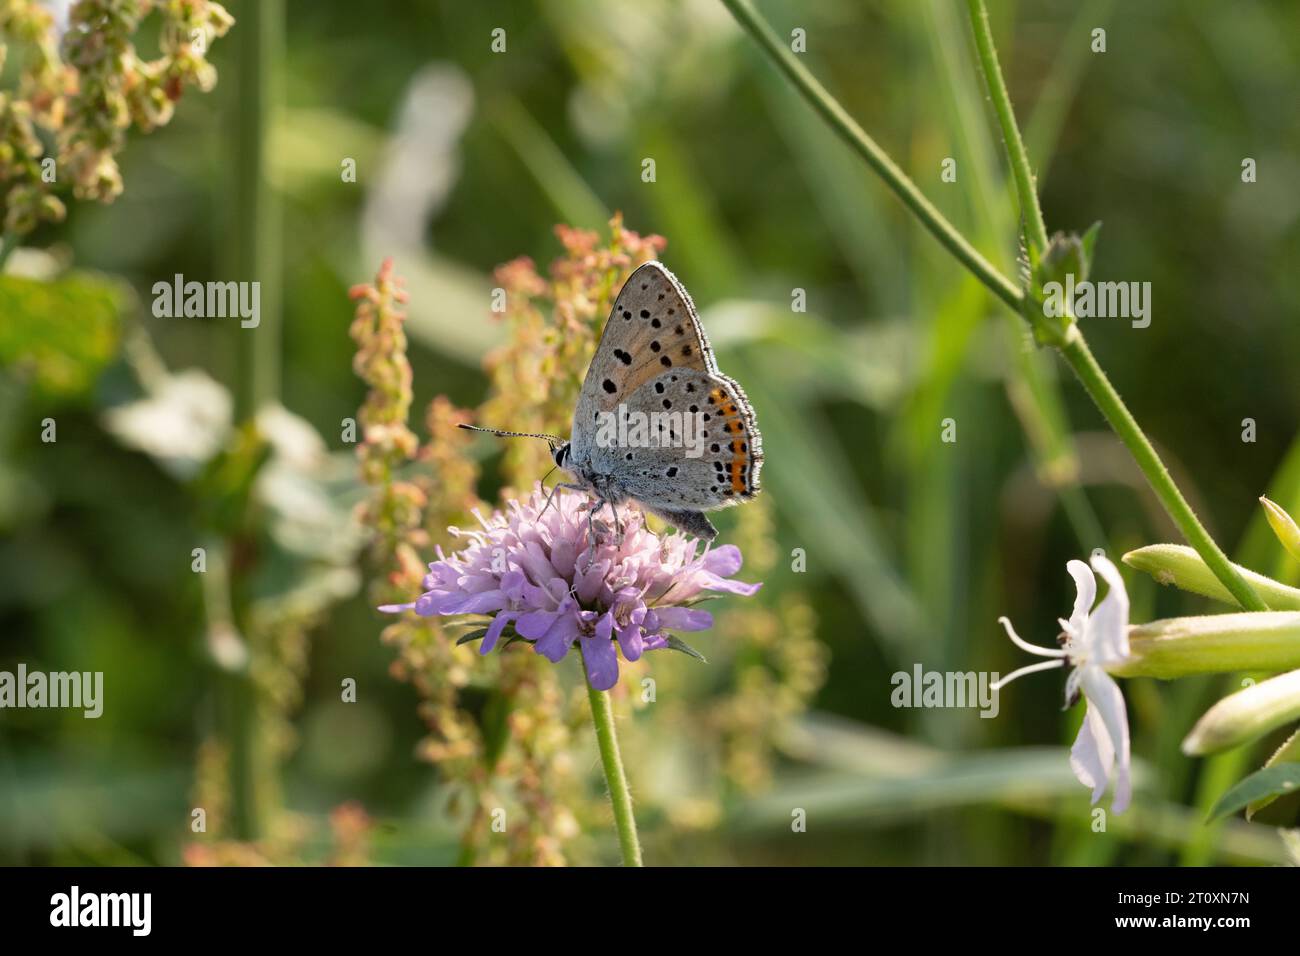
(715, 583)
(589, 582)
(1092, 757)
(494, 631)
(1106, 636)
(683, 619)
(630, 634)
(429, 604)
(724, 561)
(535, 624)
(557, 640)
(533, 560)
(564, 553)
(1085, 585)
(513, 584)
(1107, 701)
(599, 655)
(481, 603)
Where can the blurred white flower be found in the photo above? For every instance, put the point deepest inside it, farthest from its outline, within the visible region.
(1092, 640)
(183, 421)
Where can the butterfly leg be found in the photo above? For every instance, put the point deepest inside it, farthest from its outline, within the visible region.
(591, 530)
(551, 496)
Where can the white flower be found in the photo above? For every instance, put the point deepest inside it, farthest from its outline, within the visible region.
(1091, 642)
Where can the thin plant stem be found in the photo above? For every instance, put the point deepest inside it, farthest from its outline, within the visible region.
(256, 257)
(1074, 349)
(866, 147)
(620, 797)
(1024, 176)
(258, 253)
(1093, 378)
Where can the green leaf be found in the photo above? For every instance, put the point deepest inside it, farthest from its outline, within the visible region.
(471, 636)
(1289, 752)
(62, 332)
(1271, 782)
(1089, 245)
(675, 643)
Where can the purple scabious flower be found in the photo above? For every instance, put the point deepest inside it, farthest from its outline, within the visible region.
(538, 575)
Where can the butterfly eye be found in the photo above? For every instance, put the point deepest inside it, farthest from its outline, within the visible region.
(562, 454)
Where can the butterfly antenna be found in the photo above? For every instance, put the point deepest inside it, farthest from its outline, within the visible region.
(551, 440)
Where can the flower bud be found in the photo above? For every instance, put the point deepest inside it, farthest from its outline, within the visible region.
(1182, 567)
(1247, 714)
(1283, 526)
(1212, 643)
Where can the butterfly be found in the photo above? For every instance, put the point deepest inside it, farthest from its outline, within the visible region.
(656, 421)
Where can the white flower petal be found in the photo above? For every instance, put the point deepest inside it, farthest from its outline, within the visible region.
(1086, 592)
(1092, 757)
(1107, 702)
(1106, 635)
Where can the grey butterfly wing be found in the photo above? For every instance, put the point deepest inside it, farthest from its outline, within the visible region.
(652, 327)
(702, 448)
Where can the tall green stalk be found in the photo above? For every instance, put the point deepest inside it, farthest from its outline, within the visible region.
(255, 256)
(258, 252)
(1030, 210)
(1074, 349)
(866, 147)
(620, 796)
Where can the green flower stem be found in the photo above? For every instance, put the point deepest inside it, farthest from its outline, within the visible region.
(988, 56)
(866, 147)
(1080, 358)
(1075, 348)
(620, 797)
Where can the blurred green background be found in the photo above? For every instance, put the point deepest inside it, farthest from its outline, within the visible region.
(467, 158)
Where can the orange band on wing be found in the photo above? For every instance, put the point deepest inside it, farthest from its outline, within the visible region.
(740, 469)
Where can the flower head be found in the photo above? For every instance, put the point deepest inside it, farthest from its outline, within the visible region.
(534, 569)
(1091, 641)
